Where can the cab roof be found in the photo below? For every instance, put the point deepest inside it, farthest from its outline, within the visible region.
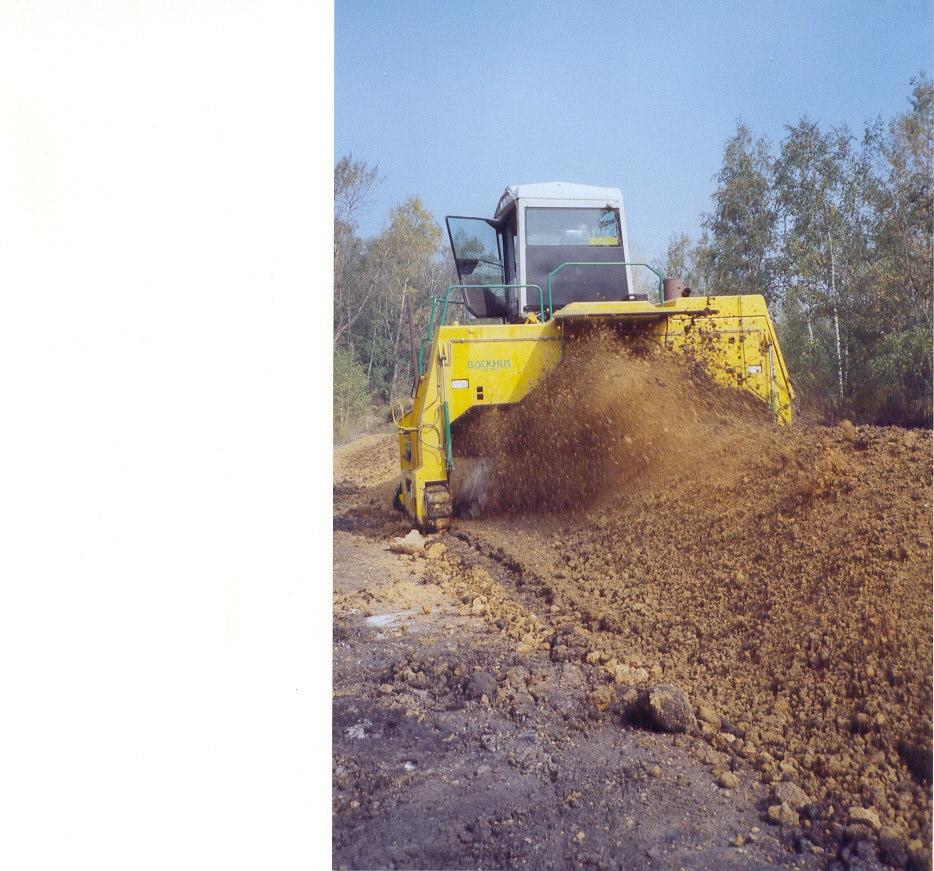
(557, 190)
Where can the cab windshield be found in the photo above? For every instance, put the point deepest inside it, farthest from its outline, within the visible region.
(584, 227)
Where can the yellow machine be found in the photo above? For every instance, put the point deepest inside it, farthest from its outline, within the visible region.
(553, 257)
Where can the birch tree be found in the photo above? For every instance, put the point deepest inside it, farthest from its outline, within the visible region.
(688, 261)
(818, 199)
(400, 270)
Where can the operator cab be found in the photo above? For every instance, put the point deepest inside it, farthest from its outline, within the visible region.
(536, 229)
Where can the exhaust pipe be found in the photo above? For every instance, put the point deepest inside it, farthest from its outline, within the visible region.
(673, 288)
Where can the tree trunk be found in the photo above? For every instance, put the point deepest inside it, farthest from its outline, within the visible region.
(846, 363)
(412, 348)
(395, 344)
(369, 366)
(836, 316)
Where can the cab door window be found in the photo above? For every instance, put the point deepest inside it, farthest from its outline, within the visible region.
(478, 257)
(477, 253)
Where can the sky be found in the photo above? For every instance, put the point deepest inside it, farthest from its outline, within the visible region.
(457, 100)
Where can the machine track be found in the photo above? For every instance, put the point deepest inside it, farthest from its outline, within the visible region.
(439, 507)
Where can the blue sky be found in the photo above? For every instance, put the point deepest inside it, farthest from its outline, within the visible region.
(455, 100)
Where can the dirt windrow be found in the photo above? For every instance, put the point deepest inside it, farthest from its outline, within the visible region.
(783, 574)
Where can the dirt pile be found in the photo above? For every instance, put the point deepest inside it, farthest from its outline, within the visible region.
(366, 477)
(795, 600)
(782, 576)
(366, 462)
(453, 749)
(663, 530)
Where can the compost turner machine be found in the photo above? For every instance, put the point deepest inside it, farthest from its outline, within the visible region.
(552, 260)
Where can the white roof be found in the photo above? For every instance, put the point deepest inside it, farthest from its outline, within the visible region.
(558, 190)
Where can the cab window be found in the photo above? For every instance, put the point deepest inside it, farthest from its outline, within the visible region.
(581, 227)
(477, 253)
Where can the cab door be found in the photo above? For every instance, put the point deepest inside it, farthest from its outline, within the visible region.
(477, 246)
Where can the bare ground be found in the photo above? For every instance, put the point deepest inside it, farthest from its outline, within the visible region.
(427, 777)
(539, 771)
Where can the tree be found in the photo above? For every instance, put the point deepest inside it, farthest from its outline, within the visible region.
(687, 261)
(400, 265)
(837, 235)
(817, 180)
(906, 197)
(742, 223)
(676, 257)
(351, 393)
(903, 200)
(354, 183)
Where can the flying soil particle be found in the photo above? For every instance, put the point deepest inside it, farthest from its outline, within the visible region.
(609, 415)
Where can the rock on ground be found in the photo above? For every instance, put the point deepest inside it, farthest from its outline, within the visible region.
(782, 815)
(433, 551)
(792, 795)
(412, 543)
(706, 714)
(480, 684)
(728, 780)
(866, 816)
(670, 709)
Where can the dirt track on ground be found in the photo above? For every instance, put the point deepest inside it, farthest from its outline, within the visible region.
(780, 577)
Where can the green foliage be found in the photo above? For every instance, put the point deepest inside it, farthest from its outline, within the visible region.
(836, 234)
(354, 183)
(403, 264)
(742, 223)
(383, 285)
(808, 347)
(687, 261)
(351, 394)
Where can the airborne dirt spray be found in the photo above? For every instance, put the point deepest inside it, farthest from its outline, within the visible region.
(612, 416)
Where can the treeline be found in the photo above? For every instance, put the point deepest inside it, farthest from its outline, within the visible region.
(382, 294)
(834, 229)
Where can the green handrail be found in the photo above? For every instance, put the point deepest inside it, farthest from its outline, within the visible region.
(445, 301)
(448, 447)
(557, 269)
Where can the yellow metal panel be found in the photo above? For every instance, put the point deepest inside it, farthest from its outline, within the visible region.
(499, 364)
(735, 339)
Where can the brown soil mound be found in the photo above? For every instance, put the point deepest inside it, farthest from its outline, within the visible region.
(366, 461)
(782, 576)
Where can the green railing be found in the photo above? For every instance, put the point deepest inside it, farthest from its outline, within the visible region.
(443, 302)
(546, 308)
(557, 269)
(448, 444)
